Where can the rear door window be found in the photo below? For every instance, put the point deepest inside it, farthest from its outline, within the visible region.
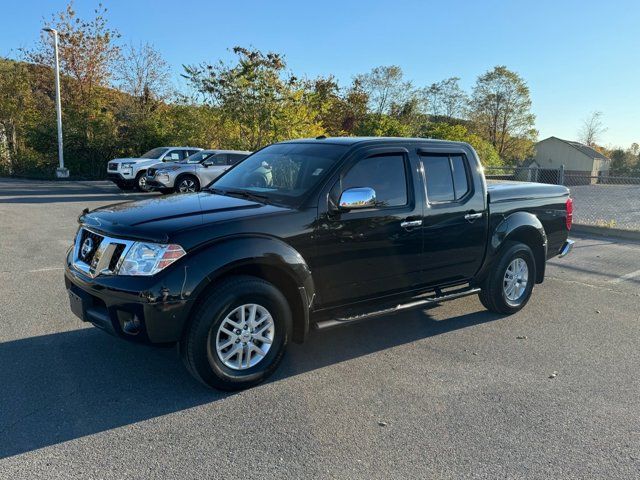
(439, 179)
(447, 177)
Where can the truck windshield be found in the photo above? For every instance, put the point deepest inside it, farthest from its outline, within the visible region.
(282, 172)
(154, 153)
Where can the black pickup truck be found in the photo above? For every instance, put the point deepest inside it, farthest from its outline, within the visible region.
(311, 233)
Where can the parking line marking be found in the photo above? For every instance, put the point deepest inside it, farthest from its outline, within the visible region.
(35, 270)
(628, 276)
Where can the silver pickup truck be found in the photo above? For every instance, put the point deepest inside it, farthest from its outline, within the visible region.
(194, 172)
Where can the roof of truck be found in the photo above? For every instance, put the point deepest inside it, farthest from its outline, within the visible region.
(355, 140)
(217, 150)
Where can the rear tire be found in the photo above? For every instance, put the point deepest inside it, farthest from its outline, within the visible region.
(213, 334)
(509, 285)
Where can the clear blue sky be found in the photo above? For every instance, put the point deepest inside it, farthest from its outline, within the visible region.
(577, 56)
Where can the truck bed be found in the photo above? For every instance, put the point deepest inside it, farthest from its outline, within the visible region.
(546, 202)
(502, 191)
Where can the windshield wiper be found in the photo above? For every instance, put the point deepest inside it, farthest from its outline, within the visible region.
(242, 194)
(249, 195)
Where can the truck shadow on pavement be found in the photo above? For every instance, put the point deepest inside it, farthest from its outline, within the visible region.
(60, 387)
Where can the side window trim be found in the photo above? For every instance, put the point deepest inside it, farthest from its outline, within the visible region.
(423, 152)
(467, 176)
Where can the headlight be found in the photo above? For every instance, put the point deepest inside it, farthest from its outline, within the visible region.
(127, 167)
(149, 258)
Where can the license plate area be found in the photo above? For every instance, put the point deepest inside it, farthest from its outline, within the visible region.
(76, 303)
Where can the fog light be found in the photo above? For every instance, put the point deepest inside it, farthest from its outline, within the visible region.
(132, 326)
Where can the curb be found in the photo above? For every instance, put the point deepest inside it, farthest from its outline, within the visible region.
(607, 232)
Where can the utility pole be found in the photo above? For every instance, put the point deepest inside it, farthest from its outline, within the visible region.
(61, 172)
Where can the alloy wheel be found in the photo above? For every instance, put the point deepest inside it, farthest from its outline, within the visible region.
(245, 336)
(515, 279)
(187, 185)
(142, 183)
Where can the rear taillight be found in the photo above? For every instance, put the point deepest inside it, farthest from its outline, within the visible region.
(569, 206)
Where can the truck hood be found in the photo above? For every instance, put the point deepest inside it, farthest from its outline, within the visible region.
(159, 219)
(120, 160)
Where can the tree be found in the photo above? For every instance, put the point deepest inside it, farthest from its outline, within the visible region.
(459, 133)
(143, 74)
(619, 162)
(445, 99)
(380, 125)
(592, 129)
(500, 109)
(625, 162)
(88, 55)
(257, 97)
(15, 103)
(86, 49)
(385, 88)
(144, 120)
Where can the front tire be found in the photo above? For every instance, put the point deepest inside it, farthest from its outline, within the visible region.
(187, 184)
(509, 285)
(238, 334)
(141, 182)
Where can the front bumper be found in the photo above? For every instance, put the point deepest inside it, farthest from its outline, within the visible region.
(161, 181)
(120, 179)
(143, 309)
(158, 185)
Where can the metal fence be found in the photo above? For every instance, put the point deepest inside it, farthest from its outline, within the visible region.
(599, 199)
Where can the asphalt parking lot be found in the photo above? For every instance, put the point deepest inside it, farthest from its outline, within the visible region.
(448, 392)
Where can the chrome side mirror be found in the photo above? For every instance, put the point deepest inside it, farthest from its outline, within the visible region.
(359, 197)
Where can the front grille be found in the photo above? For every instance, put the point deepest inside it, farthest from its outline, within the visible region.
(152, 172)
(113, 167)
(117, 253)
(89, 243)
(97, 254)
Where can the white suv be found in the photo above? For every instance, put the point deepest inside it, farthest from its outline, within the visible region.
(129, 173)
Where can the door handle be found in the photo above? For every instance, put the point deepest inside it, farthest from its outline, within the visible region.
(470, 217)
(411, 223)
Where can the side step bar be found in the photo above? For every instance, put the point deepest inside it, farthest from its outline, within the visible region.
(327, 324)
